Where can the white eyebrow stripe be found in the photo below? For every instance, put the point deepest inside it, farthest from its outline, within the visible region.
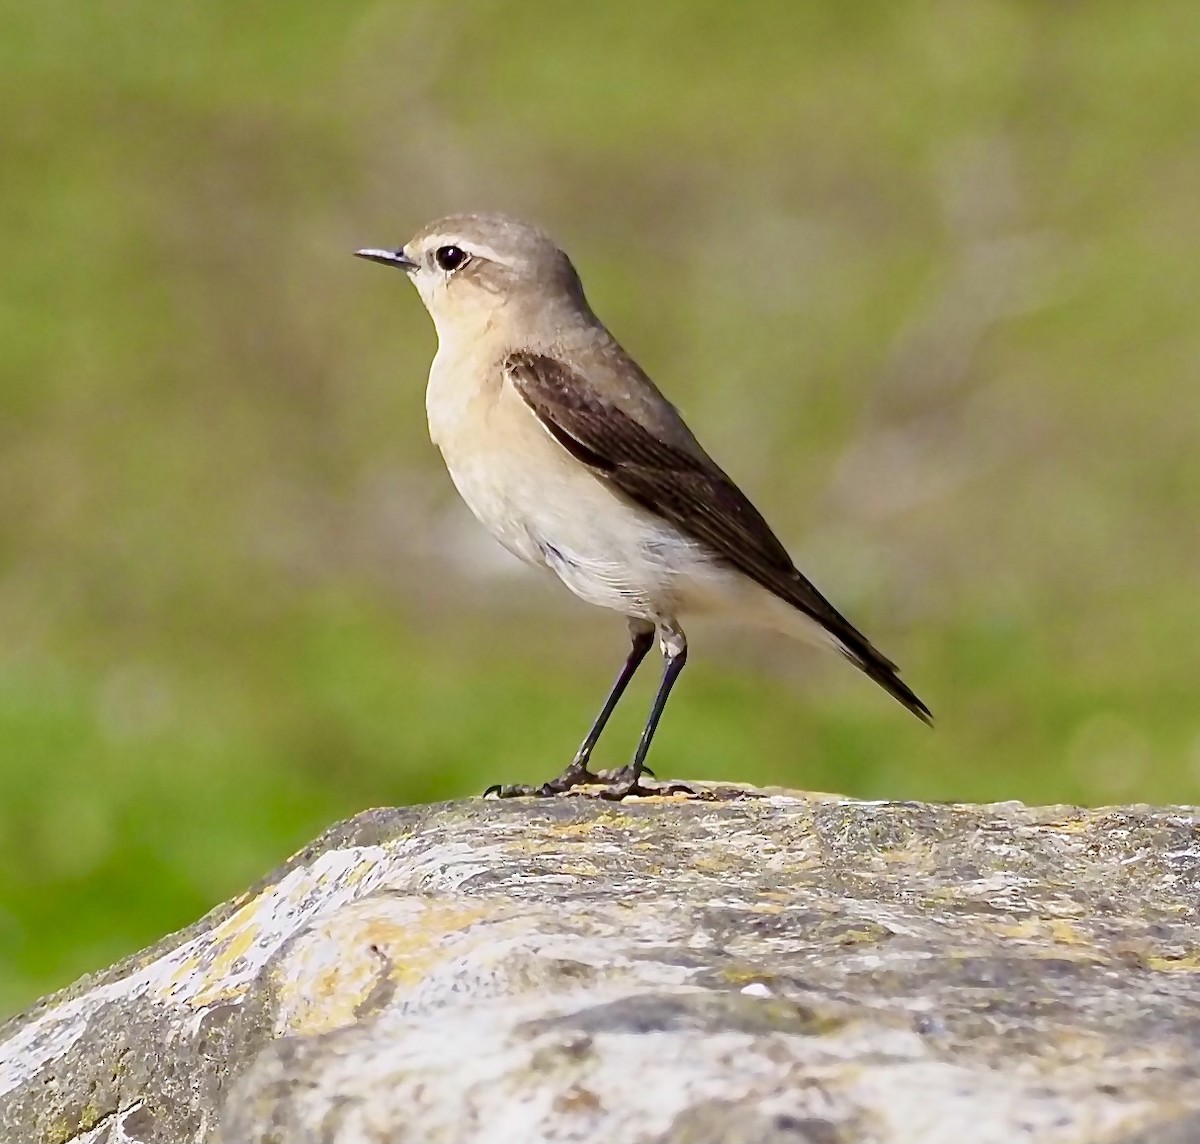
(470, 247)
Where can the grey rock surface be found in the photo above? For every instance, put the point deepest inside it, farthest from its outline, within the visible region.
(776, 969)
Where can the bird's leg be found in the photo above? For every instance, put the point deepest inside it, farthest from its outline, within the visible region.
(641, 634)
(674, 649)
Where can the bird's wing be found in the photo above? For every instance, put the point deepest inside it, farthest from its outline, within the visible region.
(689, 491)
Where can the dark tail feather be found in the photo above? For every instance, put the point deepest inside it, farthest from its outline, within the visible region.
(884, 672)
(798, 591)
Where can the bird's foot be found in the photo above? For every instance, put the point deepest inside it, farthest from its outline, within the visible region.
(620, 774)
(612, 785)
(622, 782)
(577, 774)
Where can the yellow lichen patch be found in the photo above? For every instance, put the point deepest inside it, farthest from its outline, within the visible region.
(608, 819)
(867, 934)
(236, 944)
(186, 967)
(554, 847)
(770, 908)
(1064, 932)
(582, 830)
(213, 957)
(746, 974)
(360, 957)
(1173, 964)
(352, 875)
(236, 903)
(214, 968)
(1076, 956)
(1058, 930)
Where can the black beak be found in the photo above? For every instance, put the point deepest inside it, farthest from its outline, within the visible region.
(388, 258)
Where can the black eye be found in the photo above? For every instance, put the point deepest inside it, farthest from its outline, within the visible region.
(449, 257)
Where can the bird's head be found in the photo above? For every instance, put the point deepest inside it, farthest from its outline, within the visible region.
(468, 267)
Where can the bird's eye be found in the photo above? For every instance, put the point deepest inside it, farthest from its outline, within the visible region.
(449, 257)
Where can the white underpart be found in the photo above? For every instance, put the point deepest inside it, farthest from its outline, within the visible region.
(548, 509)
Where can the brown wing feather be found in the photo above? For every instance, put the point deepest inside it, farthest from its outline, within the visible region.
(691, 492)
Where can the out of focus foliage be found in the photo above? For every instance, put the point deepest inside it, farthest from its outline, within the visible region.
(925, 277)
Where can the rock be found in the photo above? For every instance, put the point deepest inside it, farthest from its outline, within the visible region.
(776, 969)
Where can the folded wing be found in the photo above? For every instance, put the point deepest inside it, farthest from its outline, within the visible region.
(689, 491)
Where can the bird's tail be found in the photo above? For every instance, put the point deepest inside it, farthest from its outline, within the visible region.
(885, 673)
(811, 617)
(791, 604)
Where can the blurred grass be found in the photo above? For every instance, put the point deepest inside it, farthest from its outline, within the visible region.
(924, 276)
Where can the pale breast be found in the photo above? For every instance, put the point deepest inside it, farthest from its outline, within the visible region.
(543, 505)
(501, 461)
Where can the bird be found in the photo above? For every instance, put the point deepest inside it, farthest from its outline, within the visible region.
(571, 457)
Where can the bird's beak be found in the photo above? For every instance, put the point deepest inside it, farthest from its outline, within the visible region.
(388, 258)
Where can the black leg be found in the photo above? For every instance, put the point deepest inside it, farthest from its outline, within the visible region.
(642, 642)
(625, 781)
(642, 639)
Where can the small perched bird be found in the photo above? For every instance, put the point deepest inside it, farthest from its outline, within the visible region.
(570, 456)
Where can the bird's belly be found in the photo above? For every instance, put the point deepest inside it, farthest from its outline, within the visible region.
(548, 510)
(497, 505)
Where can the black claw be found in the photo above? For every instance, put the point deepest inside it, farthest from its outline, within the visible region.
(577, 780)
(615, 791)
(514, 790)
(575, 775)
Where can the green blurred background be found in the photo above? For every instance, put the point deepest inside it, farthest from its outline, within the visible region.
(924, 276)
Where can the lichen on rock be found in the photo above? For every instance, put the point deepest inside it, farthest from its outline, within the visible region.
(777, 968)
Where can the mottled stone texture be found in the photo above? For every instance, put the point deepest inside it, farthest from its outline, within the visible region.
(776, 969)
